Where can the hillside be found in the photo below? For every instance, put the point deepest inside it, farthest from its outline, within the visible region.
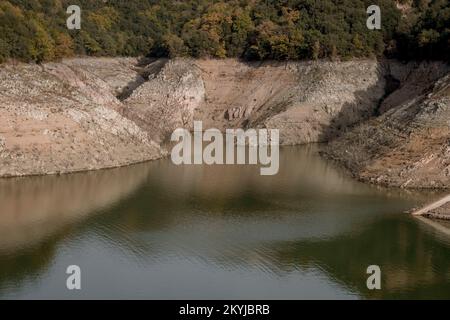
(35, 30)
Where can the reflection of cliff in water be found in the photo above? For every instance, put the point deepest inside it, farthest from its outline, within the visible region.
(303, 175)
(38, 212)
(35, 207)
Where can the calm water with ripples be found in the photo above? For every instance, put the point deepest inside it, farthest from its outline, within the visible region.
(155, 230)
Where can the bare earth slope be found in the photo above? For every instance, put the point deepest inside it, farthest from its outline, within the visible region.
(408, 146)
(167, 100)
(92, 113)
(64, 123)
(306, 101)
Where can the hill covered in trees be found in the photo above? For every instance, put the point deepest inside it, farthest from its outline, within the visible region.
(35, 30)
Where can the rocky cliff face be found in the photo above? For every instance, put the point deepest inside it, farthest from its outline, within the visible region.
(167, 100)
(58, 119)
(92, 113)
(306, 101)
(408, 145)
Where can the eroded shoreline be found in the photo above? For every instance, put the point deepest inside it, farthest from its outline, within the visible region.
(384, 121)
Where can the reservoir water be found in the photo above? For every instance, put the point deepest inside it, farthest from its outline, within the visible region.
(160, 231)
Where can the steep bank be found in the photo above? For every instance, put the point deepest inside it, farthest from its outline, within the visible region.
(306, 101)
(92, 113)
(409, 144)
(55, 118)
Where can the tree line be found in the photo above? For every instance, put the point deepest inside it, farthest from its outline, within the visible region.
(35, 30)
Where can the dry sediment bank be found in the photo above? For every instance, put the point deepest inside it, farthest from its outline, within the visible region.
(92, 113)
(387, 122)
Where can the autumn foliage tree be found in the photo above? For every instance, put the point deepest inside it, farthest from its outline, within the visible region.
(35, 30)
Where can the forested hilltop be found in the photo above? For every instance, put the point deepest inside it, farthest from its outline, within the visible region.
(35, 30)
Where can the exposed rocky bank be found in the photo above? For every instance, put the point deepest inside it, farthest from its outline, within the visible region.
(408, 145)
(58, 118)
(386, 121)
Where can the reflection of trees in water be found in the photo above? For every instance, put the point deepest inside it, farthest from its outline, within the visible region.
(26, 264)
(409, 257)
(412, 262)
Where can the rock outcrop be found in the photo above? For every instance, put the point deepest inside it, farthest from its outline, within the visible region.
(57, 119)
(441, 213)
(167, 100)
(306, 101)
(92, 113)
(408, 145)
